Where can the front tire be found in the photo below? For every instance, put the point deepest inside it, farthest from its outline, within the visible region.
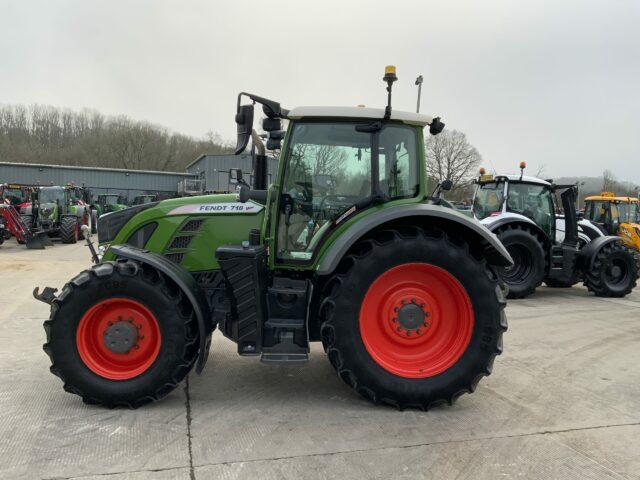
(121, 334)
(614, 271)
(412, 320)
(528, 255)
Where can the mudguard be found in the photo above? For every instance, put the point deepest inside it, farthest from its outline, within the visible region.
(587, 254)
(494, 250)
(508, 218)
(186, 283)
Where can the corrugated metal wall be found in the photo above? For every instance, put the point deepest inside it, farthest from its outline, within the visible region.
(215, 169)
(100, 180)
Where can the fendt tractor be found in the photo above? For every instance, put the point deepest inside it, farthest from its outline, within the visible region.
(110, 202)
(61, 212)
(616, 216)
(346, 247)
(546, 240)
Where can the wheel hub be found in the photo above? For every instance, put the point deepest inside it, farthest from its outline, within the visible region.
(121, 336)
(410, 317)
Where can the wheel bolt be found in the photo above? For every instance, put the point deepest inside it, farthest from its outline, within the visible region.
(413, 300)
(399, 329)
(394, 319)
(425, 324)
(418, 331)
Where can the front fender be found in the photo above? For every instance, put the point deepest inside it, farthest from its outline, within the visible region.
(495, 252)
(587, 254)
(186, 283)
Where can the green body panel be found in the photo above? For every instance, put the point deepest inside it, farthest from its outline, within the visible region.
(217, 229)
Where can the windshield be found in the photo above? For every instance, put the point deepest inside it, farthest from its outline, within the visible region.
(534, 202)
(488, 199)
(599, 211)
(629, 212)
(50, 195)
(328, 171)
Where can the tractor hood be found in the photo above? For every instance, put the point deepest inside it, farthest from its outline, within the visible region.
(185, 230)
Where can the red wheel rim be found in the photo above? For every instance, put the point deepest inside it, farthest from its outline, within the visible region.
(416, 320)
(93, 327)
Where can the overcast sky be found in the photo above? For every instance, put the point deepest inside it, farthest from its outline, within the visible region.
(554, 83)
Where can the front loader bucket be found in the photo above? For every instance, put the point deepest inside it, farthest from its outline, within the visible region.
(38, 241)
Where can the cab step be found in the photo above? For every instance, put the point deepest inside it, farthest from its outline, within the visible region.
(279, 358)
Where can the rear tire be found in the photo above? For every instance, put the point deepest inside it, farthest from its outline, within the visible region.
(601, 278)
(354, 327)
(69, 229)
(528, 255)
(79, 355)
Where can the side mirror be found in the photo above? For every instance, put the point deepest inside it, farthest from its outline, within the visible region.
(436, 126)
(446, 185)
(271, 124)
(235, 176)
(244, 121)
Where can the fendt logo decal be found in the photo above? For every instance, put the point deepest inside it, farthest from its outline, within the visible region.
(236, 207)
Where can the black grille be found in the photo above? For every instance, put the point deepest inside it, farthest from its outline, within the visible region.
(192, 225)
(174, 257)
(180, 242)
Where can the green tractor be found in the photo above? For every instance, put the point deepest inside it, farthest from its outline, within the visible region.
(110, 202)
(143, 199)
(347, 248)
(62, 212)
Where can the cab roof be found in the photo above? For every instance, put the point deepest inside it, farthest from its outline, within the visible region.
(516, 178)
(410, 118)
(607, 198)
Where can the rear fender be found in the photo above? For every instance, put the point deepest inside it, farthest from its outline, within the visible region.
(447, 218)
(185, 281)
(515, 219)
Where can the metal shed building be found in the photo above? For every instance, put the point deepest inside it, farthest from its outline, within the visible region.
(214, 169)
(100, 180)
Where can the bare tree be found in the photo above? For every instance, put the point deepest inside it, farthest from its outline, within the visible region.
(609, 183)
(42, 134)
(450, 156)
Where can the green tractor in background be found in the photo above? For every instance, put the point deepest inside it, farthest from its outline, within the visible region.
(144, 199)
(347, 248)
(61, 212)
(110, 202)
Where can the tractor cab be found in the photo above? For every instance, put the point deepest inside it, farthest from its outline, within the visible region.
(508, 196)
(616, 216)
